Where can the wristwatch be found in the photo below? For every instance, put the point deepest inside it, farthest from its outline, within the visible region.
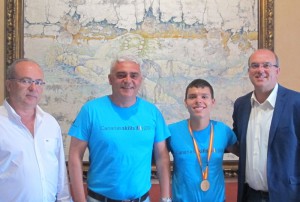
(166, 199)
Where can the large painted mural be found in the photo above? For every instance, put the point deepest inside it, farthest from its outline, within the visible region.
(178, 41)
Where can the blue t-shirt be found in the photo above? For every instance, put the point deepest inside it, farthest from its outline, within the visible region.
(120, 143)
(187, 174)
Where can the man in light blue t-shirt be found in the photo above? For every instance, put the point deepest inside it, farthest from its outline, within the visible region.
(120, 130)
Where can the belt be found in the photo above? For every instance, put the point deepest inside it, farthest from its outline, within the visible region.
(263, 194)
(105, 199)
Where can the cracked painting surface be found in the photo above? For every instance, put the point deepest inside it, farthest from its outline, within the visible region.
(178, 41)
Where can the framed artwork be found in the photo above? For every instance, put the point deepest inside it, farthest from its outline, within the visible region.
(75, 42)
(15, 27)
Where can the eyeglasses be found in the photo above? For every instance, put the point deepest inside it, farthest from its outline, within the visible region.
(265, 65)
(28, 81)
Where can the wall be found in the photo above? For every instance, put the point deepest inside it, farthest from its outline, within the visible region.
(2, 50)
(287, 43)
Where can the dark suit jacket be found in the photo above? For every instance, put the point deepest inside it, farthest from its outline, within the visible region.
(283, 158)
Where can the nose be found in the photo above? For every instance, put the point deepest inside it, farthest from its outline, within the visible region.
(199, 99)
(260, 68)
(32, 86)
(127, 78)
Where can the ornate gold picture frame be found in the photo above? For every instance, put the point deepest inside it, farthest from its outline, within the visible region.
(15, 31)
(15, 41)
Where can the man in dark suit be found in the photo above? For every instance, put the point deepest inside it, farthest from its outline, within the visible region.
(267, 124)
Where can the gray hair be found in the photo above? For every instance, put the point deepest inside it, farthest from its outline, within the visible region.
(11, 70)
(126, 58)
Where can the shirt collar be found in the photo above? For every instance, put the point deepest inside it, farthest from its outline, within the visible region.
(271, 99)
(12, 113)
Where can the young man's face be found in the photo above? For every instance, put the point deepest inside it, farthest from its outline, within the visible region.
(199, 102)
(125, 79)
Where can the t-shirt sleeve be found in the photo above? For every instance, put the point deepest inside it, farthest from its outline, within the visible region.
(231, 136)
(80, 127)
(161, 131)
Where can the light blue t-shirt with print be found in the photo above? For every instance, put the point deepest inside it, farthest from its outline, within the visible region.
(120, 143)
(187, 175)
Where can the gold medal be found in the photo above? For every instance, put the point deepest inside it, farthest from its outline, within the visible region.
(204, 185)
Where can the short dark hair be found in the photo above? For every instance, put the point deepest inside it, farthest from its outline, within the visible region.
(199, 83)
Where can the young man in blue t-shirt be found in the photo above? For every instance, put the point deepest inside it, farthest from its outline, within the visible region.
(198, 145)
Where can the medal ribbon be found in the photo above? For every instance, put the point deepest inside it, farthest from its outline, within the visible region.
(205, 173)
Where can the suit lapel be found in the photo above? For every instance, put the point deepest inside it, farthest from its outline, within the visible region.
(279, 105)
(245, 119)
(246, 115)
